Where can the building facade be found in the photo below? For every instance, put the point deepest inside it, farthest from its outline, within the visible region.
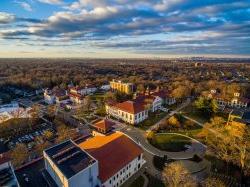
(122, 87)
(69, 166)
(7, 174)
(131, 112)
(236, 101)
(94, 162)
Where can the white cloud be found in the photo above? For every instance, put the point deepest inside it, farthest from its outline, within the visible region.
(6, 18)
(52, 2)
(25, 5)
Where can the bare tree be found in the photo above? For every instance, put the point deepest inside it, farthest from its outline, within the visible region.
(175, 175)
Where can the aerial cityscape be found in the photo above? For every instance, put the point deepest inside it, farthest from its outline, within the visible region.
(124, 93)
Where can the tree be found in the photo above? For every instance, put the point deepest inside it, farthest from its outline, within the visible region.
(212, 182)
(19, 154)
(141, 88)
(174, 122)
(87, 102)
(206, 105)
(110, 96)
(229, 142)
(34, 115)
(175, 175)
(39, 148)
(181, 91)
(48, 134)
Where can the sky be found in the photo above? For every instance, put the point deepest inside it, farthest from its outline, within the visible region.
(124, 28)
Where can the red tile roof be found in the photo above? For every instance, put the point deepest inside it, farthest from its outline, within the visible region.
(105, 125)
(4, 158)
(131, 107)
(113, 152)
(76, 95)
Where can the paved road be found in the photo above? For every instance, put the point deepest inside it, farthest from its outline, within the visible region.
(139, 136)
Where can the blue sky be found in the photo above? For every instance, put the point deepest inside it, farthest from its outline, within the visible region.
(124, 28)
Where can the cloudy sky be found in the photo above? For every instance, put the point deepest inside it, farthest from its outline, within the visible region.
(124, 28)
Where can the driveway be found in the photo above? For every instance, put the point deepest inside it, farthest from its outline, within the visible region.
(139, 136)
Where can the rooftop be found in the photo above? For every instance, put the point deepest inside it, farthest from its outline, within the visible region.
(105, 125)
(113, 152)
(132, 107)
(69, 158)
(7, 177)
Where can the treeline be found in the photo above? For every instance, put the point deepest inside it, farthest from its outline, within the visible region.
(183, 79)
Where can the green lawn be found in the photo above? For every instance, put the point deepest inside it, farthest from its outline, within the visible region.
(170, 142)
(139, 182)
(191, 133)
(193, 113)
(152, 119)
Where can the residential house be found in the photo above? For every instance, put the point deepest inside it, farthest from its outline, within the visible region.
(236, 100)
(49, 96)
(86, 90)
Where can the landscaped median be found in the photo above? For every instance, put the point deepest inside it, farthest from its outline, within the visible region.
(169, 142)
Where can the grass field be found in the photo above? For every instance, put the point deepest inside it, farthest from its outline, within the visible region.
(170, 142)
(152, 119)
(192, 112)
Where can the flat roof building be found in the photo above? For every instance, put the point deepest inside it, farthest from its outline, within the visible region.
(99, 161)
(70, 166)
(122, 87)
(7, 174)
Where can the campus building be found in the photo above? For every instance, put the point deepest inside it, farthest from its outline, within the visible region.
(7, 174)
(122, 87)
(132, 112)
(70, 166)
(99, 161)
(235, 101)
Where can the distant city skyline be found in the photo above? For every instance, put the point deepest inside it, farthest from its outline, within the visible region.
(124, 28)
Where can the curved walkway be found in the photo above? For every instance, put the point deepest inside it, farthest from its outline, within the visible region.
(139, 136)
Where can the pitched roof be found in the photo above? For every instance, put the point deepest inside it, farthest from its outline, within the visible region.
(79, 96)
(132, 107)
(113, 152)
(105, 125)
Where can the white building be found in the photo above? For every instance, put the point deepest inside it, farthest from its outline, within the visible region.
(7, 174)
(119, 157)
(106, 161)
(83, 90)
(13, 110)
(69, 166)
(49, 97)
(106, 87)
(132, 112)
(236, 101)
